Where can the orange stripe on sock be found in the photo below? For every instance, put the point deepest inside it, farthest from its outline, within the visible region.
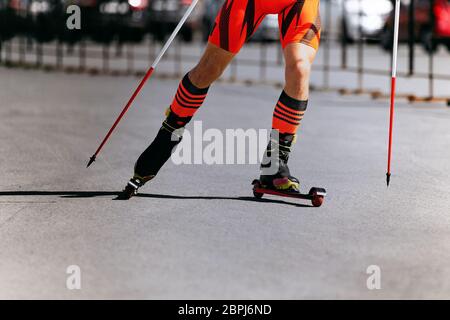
(292, 114)
(289, 114)
(283, 127)
(290, 109)
(184, 105)
(183, 102)
(182, 111)
(290, 121)
(192, 96)
(189, 100)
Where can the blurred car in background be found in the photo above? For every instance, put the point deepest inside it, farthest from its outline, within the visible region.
(165, 15)
(89, 14)
(424, 32)
(350, 20)
(128, 19)
(210, 10)
(7, 20)
(13, 20)
(267, 31)
(106, 20)
(44, 19)
(363, 18)
(331, 19)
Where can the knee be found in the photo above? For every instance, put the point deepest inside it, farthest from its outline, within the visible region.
(205, 73)
(298, 69)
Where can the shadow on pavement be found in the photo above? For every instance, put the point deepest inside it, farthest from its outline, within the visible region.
(93, 194)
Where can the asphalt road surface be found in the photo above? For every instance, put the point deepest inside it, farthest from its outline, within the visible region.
(196, 231)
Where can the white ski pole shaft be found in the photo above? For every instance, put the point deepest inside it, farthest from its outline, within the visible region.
(396, 32)
(174, 33)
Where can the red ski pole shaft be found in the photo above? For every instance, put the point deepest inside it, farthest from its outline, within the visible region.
(125, 109)
(145, 79)
(393, 88)
(391, 125)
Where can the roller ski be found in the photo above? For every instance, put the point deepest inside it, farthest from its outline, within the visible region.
(315, 195)
(282, 183)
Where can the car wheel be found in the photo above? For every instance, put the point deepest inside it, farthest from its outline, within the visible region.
(159, 36)
(158, 32)
(187, 34)
(386, 39)
(345, 34)
(447, 44)
(103, 38)
(207, 26)
(70, 37)
(426, 38)
(132, 35)
(8, 27)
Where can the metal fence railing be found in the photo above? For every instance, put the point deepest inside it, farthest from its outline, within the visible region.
(351, 59)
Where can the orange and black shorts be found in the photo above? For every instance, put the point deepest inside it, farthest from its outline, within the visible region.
(299, 22)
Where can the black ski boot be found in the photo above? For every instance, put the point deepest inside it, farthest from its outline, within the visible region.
(275, 173)
(131, 189)
(157, 154)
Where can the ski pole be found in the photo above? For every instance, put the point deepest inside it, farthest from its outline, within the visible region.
(145, 79)
(393, 87)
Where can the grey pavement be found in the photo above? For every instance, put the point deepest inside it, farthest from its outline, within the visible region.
(196, 232)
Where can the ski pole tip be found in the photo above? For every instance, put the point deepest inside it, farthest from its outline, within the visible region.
(388, 179)
(91, 161)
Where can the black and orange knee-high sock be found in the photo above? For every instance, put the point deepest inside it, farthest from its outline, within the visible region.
(186, 102)
(288, 114)
(188, 98)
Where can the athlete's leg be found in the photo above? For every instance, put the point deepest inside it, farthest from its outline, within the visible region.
(299, 59)
(223, 44)
(235, 23)
(293, 101)
(193, 89)
(300, 34)
(190, 95)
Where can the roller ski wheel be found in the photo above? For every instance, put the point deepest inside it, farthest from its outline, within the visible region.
(318, 196)
(315, 195)
(258, 195)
